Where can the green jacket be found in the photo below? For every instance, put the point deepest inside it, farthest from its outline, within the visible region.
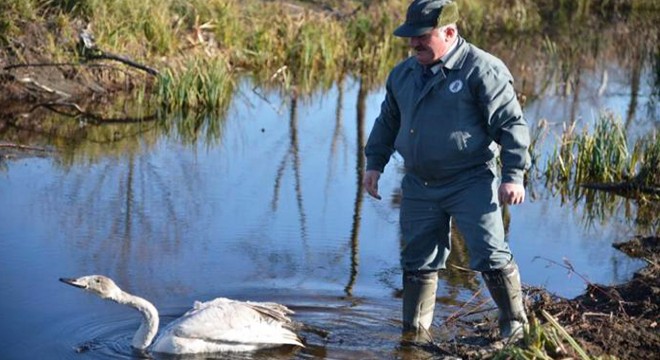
(454, 122)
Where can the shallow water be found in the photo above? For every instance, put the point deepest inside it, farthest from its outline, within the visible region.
(270, 210)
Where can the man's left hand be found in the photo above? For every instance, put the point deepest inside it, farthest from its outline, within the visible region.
(512, 194)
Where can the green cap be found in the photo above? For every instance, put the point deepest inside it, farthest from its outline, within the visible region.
(424, 15)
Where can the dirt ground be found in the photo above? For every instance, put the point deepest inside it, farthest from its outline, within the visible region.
(619, 321)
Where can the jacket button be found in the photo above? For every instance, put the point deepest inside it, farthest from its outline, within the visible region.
(412, 131)
(426, 183)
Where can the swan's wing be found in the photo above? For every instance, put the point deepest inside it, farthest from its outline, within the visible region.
(228, 321)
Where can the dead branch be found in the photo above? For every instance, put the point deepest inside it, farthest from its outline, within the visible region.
(475, 310)
(58, 103)
(27, 80)
(89, 50)
(16, 66)
(568, 266)
(595, 314)
(124, 60)
(76, 64)
(92, 52)
(22, 147)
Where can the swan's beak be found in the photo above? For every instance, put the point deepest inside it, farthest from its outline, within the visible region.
(72, 282)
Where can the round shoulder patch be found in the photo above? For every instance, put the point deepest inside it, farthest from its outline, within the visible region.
(455, 86)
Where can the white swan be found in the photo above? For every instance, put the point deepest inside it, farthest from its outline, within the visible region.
(219, 325)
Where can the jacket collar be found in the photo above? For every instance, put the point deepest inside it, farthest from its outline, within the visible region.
(456, 59)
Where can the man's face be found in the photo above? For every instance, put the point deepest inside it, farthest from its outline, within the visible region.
(433, 45)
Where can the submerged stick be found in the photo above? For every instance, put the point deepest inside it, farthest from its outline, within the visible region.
(22, 147)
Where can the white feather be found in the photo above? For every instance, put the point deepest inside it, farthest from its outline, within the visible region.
(219, 325)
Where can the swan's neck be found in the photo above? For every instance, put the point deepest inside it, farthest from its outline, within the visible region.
(149, 326)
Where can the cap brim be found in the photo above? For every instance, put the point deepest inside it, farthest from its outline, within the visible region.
(406, 30)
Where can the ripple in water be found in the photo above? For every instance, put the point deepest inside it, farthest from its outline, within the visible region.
(332, 328)
(105, 336)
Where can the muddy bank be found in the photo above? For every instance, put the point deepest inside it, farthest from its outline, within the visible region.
(31, 77)
(619, 320)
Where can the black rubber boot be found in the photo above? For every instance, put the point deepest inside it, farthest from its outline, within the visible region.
(419, 291)
(504, 286)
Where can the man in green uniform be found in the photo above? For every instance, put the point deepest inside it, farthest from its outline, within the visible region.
(450, 110)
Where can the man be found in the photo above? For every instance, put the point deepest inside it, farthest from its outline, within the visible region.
(446, 110)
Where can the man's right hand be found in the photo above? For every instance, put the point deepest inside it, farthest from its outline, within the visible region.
(370, 182)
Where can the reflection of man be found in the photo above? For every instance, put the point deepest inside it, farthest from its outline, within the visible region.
(445, 111)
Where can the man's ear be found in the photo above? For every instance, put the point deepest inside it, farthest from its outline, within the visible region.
(450, 31)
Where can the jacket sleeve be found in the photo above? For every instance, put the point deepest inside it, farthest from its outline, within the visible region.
(505, 122)
(380, 144)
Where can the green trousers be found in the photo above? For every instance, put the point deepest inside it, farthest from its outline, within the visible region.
(429, 207)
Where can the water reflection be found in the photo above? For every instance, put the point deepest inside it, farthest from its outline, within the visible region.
(359, 188)
(601, 207)
(112, 215)
(567, 78)
(293, 156)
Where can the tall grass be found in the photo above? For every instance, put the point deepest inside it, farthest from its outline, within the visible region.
(199, 83)
(13, 14)
(601, 156)
(372, 50)
(646, 156)
(143, 28)
(586, 163)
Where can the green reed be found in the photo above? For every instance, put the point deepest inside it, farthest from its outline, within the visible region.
(546, 341)
(598, 168)
(601, 156)
(646, 156)
(315, 53)
(199, 83)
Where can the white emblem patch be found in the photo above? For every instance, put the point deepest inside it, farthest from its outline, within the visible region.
(455, 86)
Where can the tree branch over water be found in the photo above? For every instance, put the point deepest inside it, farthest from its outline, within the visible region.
(88, 49)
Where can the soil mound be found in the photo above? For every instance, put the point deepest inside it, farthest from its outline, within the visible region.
(619, 321)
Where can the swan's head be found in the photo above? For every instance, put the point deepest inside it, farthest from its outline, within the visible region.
(96, 284)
